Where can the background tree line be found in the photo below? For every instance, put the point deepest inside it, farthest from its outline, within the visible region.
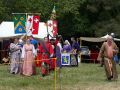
(75, 17)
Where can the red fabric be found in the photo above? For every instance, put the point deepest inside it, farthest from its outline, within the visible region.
(55, 28)
(94, 55)
(44, 57)
(44, 71)
(36, 20)
(56, 42)
(48, 46)
(52, 64)
(37, 60)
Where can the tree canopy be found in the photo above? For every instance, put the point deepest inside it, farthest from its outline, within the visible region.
(75, 17)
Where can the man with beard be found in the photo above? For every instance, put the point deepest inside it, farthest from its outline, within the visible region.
(107, 51)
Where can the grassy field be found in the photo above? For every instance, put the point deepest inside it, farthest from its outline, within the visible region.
(84, 77)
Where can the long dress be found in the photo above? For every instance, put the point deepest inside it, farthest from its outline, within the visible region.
(76, 49)
(15, 58)
(28, 53)
(58, 54)
(106, 53)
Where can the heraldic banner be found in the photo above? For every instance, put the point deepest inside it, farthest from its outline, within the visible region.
(19, 24)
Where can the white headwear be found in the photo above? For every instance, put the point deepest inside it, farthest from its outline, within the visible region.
(66, 41)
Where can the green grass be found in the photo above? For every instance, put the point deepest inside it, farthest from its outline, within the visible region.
(84, 77)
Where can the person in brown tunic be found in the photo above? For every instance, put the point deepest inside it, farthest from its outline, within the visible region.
(107, 52)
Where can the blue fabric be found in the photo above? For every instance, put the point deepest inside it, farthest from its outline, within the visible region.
(115, 58)
(58, 56)
(20, 29)
(34, 42)
(75, 45)
(20, 45)
(67, 48)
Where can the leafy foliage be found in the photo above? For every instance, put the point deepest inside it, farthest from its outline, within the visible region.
(75, 17)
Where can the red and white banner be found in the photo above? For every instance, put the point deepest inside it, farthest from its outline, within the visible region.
(32, 24)
(52, 27)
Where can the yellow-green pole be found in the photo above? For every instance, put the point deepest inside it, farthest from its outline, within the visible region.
(26, 25)
(55, 75)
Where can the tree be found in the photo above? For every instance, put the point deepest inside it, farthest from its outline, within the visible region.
(75, 17)
(104, 16)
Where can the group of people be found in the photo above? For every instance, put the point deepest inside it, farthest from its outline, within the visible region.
(23, 54)
(26, 55)
(22, 57)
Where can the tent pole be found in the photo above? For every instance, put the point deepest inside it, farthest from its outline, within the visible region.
(80, 52)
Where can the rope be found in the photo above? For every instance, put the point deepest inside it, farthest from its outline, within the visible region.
(19, 62)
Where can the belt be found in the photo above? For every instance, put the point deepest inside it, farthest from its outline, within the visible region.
(27, 50)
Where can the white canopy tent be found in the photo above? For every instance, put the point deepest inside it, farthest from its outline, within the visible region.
(92, 39)
(7, 30)
(97, 39)
(116, 39)
(106, 36)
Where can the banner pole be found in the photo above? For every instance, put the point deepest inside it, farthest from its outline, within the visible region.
(27, 13)
(55, 75)
(26, 25)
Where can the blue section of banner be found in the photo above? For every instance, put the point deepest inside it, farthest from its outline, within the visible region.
(20, 29)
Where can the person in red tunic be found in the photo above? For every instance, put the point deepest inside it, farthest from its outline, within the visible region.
(46, 52)
(38, 57)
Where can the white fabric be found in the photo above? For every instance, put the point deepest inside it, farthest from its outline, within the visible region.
(66, 41)
(60, 46)
(97, 39)
(34, 51)
(106, 36)
(29, 25)
(7, 30)
(116, 39)
(50, 27)
(23, 51)
(92, 39)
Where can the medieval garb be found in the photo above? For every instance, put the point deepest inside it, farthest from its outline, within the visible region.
(75, 48)
(67, 47)
(33, 41)
(15, 55)
(46, 52)
(59, 50)
(28, 54)
(52, 41)
(38, 57)
(107, 52)
(21, 43)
